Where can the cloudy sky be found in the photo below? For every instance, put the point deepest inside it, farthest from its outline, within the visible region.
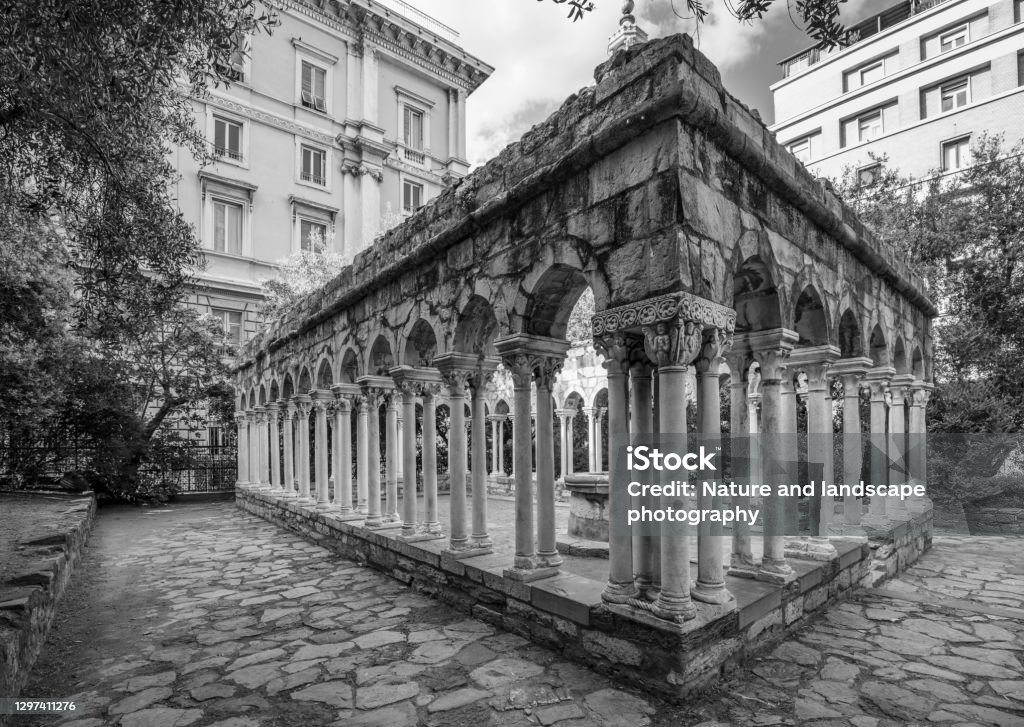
(541, 57)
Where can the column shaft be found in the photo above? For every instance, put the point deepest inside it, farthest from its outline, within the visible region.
(409, 515)
(363, 455)
(374, 516)
(391, 459)
(242, 447)
(289, 451)
(321, 446)
(429, 459)
(457, 458)
(275, 448)
(481, 538)
(547, 550)
(641, 426)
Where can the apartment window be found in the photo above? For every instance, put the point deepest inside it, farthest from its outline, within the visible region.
(314, 164)
(872, 73)
(227, 227)
(956, 153)
(1018, 11)
(953, 38)
(801, 149)
(412, 126)
(311, 234)
(1020, 68)
(227, 138)
(231, 321)
(234, 69)
(869, 126)
(868, 176)
(412, 196)
(955, 94)
(314, 87)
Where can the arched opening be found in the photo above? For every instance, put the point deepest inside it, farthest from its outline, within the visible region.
(275, 391)
(578, 428)
(288, 389)
(305, 381)
(917, 364)
(477, 328)
(263, 395)
(421, 347)
(755, 297)
(599, 413)
(553, 299)
(850, 343)
(899, 358)
(381, 358)
(877, 348)
(810, 320)
(349, 367)
(252, 398)
(324, 377)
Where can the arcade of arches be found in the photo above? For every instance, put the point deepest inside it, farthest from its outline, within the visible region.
(710, 252)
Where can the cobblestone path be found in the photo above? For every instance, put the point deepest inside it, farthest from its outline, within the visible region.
(203, 615)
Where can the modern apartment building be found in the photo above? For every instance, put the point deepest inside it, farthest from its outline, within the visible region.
(349, 112)
(915, 83)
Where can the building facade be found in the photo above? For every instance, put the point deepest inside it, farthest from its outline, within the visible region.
(916, 84)
(347, 117)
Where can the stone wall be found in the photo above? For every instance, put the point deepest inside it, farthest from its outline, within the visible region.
(28, 599)
(983, 520)
(897, 549)
(565, 612)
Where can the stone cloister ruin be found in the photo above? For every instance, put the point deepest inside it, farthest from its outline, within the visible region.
(706, 245)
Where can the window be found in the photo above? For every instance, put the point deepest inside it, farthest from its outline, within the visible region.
(956, 153)
(801, 149)
(311, 234)
(955, 94)
(314, 87)
(231, 320)
(868, 176)
(953, 38)
(872, 73)
(413, 128)
(412, 196)
(227, 138)
(227, 227)
(234, 69)
(314, 165)
(1020, 68)
(869, 126)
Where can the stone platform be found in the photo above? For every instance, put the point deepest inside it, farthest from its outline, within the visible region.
(566, 613)
(41, 540)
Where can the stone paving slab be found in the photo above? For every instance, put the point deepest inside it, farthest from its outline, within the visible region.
(203, 615)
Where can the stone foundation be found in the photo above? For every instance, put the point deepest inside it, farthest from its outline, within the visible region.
(566, 613)
(28, 599)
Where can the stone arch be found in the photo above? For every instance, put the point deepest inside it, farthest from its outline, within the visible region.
(877, 347)
(851, 343)
(263, 395)
(917, 364)
(381, 359)
(899, 357)
(501, 407)
(552, 299)
(477, 328)
(324, 375)
(756, 297)
(305, 382)
(420, 346)
(252, 398)
(568, 401)
(288, 387)
(810, 318)
(349, 370)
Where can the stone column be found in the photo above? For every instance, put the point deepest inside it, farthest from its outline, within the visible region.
(790, 448)
(481, 539)
(253, 438)
(816, 362)
(455, 377)
(290, 412)
(878, 381)
(495, 445)
(431, 524)
(343, 450)
(851, 372)
(641, 421)
(321, 447)
(362, 454)
(673, 346)
(899, 469)
(710, 585)
(377, 391)
(522, 355)
(408, 391)
(592, 437)
(260, 425)
(391, 458)
(273, 412)
(547, 546)
(771, 350)
(305, 405)
(741, 562)
(242, 448)
(917, 396)
(501, 443)
(563, 441)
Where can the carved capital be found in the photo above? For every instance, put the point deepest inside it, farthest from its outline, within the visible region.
(456, 380)
(547, 370)
(716, 344)
(673, 343)
(520, 368)
(774, 363)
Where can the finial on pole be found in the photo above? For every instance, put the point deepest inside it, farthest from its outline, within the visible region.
(629, 33)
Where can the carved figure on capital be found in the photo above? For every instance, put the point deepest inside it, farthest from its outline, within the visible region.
(716, 345)
(547, 370)
(674, 343)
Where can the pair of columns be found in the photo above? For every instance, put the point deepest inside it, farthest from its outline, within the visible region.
(498, 443)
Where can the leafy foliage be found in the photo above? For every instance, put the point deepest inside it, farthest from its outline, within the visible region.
(299, 275)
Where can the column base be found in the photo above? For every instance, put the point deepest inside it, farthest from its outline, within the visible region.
(810, 549)
(468, 551)
(778, 574)
(676, 609)
(481, 541)
(619, 592)
(418, 536)
(743, 567)
(325, 507)
(306, 501)
(711, 593)
(528, 575)
(347, 517)
(381, 525)
(551, 559)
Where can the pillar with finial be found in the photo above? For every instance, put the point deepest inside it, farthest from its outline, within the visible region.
(629, 33)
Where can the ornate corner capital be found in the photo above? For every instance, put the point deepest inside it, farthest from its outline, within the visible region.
(673, 342)
(673, 307)
(525, 356)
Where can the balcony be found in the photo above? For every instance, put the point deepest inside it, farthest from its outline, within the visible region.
(221, 151)
(312, 178)
(416, 157)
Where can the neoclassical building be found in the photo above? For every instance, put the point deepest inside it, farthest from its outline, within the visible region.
(349, 112)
